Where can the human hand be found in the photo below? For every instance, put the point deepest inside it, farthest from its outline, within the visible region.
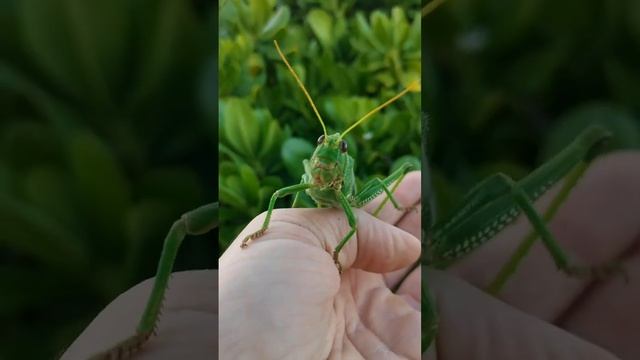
(282, 297)
(544, 314)
(187, 328)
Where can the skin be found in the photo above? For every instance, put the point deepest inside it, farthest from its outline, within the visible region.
(541, 313)
(282, 297)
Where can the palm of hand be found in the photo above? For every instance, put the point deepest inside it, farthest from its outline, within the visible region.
(282, 296)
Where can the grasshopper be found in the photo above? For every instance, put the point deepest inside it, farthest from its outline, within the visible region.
(329, 177)
(495, 203)
(195, 222)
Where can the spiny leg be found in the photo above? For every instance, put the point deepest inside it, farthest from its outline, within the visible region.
(376, 186)
(272, 203)
(509, 268)
(351, 218)
(490, 205)
(195, 222)
(557, 253)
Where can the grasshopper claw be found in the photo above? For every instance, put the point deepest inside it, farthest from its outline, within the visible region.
(251, 237)
(337, 262)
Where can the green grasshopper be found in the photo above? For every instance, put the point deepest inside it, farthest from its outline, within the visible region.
(495, 203)
(329, 178)
(195, 222)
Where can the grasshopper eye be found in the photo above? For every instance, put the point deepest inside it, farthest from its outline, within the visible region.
(320, 139)
(343, 146)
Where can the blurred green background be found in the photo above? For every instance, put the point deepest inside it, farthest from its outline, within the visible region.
(506, 84)
(108, 131)
(351, 55)
(107, 135)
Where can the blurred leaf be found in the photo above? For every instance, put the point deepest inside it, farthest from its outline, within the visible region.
(182, 189)
(294, 151)
(102, 188)
(277, 22)
(250, 182)
(146, 221)
(22, 290)
(9, 36)
(624, 128)
(47, 188)
(161, 25)
(624, 82)
(80, 46)
(240, 127)
(410, 159)
(28, 231)
(58, 115)
(633, 19)
(25, 143)
(322, 25)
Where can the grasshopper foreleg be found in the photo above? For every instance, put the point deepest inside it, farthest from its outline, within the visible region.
(352, 220)
(289, 190)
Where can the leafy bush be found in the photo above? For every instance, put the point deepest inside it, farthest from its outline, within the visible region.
(350, 57)
(106, 136)
(509, 83)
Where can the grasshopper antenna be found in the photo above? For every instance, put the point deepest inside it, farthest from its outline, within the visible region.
(431, 6)
(415, 85)
(324, 129)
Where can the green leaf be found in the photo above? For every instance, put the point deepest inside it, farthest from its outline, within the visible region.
(381, 28)
(277, 22)
(294, 150)
(400, 26)
(322, 25)
(259, 12)
(271, 139)
(250, 182)
(240, 127)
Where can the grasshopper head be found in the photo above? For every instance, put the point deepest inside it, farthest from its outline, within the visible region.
(327, 162)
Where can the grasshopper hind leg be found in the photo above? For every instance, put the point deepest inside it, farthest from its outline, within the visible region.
(554, 249)
(196, 222)
(376, 186)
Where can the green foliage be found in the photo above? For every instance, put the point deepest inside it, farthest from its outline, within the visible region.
(106, 137)
(351, 59)
(509, 83)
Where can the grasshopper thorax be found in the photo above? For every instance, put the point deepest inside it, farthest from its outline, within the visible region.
(328, 163)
